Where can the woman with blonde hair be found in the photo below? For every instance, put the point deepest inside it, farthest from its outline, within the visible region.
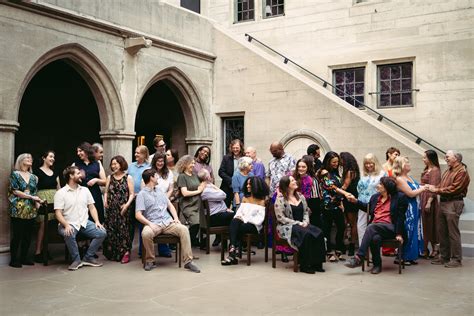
(23, 206)
(366, 187)
(413, 246)
(190, 188)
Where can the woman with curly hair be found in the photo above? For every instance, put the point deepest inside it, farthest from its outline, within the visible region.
(350, 176)
(202, 159)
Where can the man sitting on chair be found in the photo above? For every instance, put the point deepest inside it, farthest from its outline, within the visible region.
(151, 210)
(386, 221)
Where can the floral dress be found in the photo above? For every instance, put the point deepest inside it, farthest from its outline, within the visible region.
(19, 207)
(118, 240)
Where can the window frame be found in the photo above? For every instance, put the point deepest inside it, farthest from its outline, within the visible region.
(225, 119)
(390, 80)
(354, 95)
(264, 7)
(236, 11)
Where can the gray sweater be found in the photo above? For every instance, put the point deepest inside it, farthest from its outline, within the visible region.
(216, 198)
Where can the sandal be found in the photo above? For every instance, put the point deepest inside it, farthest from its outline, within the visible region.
(434, 254)
(333, 258)
(339, 256)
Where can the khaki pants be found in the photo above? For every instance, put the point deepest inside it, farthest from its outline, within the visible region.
(449, 234)
(173, 229)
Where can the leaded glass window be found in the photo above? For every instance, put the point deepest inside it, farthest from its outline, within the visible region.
(233, 129)
(349, 85)
(273, 8)
(245, 10)
(395, 85)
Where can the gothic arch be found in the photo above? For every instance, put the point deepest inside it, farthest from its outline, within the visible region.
(306, 133)
(98, 78)
(197, 123)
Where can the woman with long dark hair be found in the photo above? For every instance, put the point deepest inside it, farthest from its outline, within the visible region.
(350, 178)
(292, 214)
(429, 204)
(48, 184)
(93, 175)
(249, 217)
(330, 181)
(202, 160)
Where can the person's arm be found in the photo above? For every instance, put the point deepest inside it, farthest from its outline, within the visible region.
(211, 173)
(173, 212)
(403, 186)
(142, 219)
(279, 213)
(95, 216)
(213, 194)
(236, 189)
(106, 193)
(460, 181)
(68, 229)
(226, 178)
(169, 193)
(58, 184)
(186, 193)
(347, 180)
(435, 179)
(131, 196)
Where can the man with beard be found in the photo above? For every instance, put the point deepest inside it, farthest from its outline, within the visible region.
(72, 204)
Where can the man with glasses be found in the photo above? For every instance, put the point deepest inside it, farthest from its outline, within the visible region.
(160, 146)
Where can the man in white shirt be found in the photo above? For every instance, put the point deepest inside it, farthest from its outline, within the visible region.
(72, 204)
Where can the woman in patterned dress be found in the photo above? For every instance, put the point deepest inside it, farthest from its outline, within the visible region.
(413, 246)
(119, 193)
(23, 206)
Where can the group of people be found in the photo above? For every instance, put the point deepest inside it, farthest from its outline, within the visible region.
(163, 193)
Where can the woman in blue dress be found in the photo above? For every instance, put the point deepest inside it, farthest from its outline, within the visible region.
(413, 246)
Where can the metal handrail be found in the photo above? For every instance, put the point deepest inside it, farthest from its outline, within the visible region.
(325, 83)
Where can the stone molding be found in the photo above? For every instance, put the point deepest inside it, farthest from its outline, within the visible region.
(125, 135)
(306, 133)
(9, 126)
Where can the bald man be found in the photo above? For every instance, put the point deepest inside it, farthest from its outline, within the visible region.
(258, 168)
(280, 165)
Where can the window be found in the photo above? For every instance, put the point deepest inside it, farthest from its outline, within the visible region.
(394, 85)
(245, 10)
(233, 129)
(349, 85)
(273, 8)
(193, 5)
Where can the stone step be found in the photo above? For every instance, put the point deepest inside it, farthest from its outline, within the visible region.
(466, 224)
(468, 250)
(467, 236)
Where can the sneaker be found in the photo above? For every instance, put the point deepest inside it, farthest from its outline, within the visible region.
(75, 265)
(192, 267)
(354, 262)
(453, 264)
(91, 262)
(439, 261)
(149, 266)
(376, 270)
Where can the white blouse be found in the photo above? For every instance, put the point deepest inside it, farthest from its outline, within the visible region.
(251, 213)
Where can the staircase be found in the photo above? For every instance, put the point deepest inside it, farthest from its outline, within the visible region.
(466, 225)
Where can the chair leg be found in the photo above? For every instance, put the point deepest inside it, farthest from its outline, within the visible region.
(265, 244)
(295, 261)
(249, 250)
(400, 263)
(208, 242)
(273, 255)
(223, 246)
(178, 246)
(176, 255)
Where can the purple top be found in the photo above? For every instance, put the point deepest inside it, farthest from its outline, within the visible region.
(198, 166)
(258, 169)
(306, 184)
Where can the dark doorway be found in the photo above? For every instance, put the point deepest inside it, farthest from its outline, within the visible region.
(193, 5)
(58, 112)
(159, 113)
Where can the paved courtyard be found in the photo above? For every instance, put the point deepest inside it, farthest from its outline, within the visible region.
(236, 290)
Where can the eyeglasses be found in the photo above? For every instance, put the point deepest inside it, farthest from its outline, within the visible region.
(163, 145)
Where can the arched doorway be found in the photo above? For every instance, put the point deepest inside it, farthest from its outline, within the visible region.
(57, 111)
(159, 113)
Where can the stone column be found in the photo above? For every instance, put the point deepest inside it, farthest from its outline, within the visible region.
(7, 143)
(193, 143)
(117, 143)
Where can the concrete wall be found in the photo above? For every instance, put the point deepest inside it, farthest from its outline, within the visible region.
(436, 35)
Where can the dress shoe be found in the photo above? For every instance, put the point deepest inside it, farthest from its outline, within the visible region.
(14, 264)
(453, 264)
(376, 270)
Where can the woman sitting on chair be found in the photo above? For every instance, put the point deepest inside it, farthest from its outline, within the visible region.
(292, 214)
(249, 217)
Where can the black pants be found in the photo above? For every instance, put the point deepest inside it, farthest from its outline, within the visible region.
(193, 234)
(238, 229)
(21, 230)
(336, 216)
(315, 218)
(221, 219)
(373, 236)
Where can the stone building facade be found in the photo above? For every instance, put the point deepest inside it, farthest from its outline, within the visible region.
(189, 74)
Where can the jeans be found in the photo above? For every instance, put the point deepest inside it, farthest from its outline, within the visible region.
(90, 231)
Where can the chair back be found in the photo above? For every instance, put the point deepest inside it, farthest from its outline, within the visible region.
(204, 215)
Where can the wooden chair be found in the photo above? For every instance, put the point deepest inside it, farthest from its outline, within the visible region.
(205, 227)
(279, 242)
(166, 239)
(392, 243)
(249, 239)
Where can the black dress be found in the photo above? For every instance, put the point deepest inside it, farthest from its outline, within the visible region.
(309, 240)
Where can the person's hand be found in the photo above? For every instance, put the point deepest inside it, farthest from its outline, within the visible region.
(238, 217)
(351, 198)
(69, 230)
(303, 224)
(155, 228)
(202, 186)
(399, 238)
(432, 188)
(91, 182)
(427, 208)
(99, 226)
(106, 205)
(123, 209)
(230, 211)
(176, 221)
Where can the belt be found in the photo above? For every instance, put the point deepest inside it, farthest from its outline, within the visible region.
(448, 199)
